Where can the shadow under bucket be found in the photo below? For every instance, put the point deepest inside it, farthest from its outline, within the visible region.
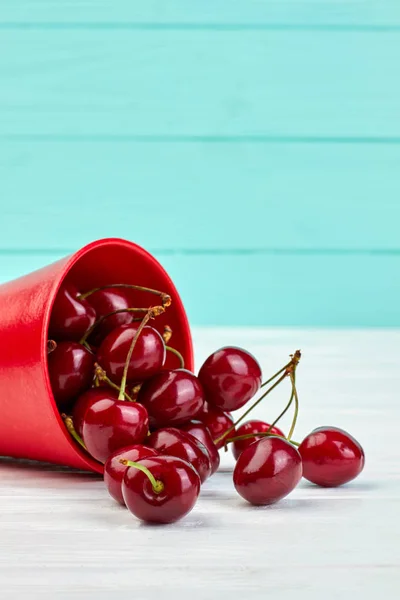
(30, 424)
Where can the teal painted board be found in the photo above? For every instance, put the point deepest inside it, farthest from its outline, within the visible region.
(262, 84)
(272, 289)
(253, 146)
(201, 196)
(206, 13)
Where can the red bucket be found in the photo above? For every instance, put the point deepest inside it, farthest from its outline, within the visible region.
(30, 424)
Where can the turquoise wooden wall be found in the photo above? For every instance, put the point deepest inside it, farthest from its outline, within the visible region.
(254, 147)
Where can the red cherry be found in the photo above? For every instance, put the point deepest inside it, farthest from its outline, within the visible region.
(247, 428)
(87, 399)
(198, 430)
(331, 457)
(268, 470)
(71, 316)
(147, 358)
(171, 397)
(175, 442)
(217, 421)
(71, 368)
(105, 301)
(110, 424)
(230, 377)
(114, 470)
(181, 488)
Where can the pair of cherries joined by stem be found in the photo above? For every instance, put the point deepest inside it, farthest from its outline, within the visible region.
(269, 466)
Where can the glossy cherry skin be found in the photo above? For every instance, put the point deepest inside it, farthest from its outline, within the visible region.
(109, 425)
(114, 471)
(171, 397)
(230, 377)
(104, 302)
(331, 457)
(71, 368)
(181, 490)
(174, 442)
(267, 470)
(147, 358)
(247, 428)
(217, 422)
(71, 316)
(198, 430)
(85, 400)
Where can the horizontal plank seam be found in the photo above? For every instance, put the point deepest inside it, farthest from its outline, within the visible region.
(197, 139)
(204, 26)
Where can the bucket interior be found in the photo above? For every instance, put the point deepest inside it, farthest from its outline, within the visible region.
(118, 261)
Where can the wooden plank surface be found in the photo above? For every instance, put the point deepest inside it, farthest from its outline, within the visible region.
(283, 83)
(202, 196)
(210, 13)
(63, 538)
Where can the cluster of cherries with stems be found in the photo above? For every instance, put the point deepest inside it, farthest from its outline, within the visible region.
(158, 430)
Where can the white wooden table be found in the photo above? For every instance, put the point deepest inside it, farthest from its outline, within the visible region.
(61, 536)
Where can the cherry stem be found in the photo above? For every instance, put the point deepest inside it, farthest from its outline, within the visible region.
(292, 375)
(151, 314)
(101, 375)
(69, 424)
(279, 417)
(295, 358)
(136, 389)
(167, 334)
(275, 376)
(51, 346)
(165, 298)
(261, 434)
(87, 346)
(178, 354)
(104, 317)
(296, 404)
(221, 437)
(157, 485)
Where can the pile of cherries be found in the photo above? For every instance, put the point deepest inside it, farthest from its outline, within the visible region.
(158, 431)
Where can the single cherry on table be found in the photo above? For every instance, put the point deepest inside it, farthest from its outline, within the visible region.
(252, 427)
(114, 469)
(169, 495)
(230, 377)
(331, 457)
(71, 367)
(147, 358)
(172, 397)
(71, 316)
(174, 442)
(267, 471)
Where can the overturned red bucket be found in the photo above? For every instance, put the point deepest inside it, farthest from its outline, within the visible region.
(30, 424)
